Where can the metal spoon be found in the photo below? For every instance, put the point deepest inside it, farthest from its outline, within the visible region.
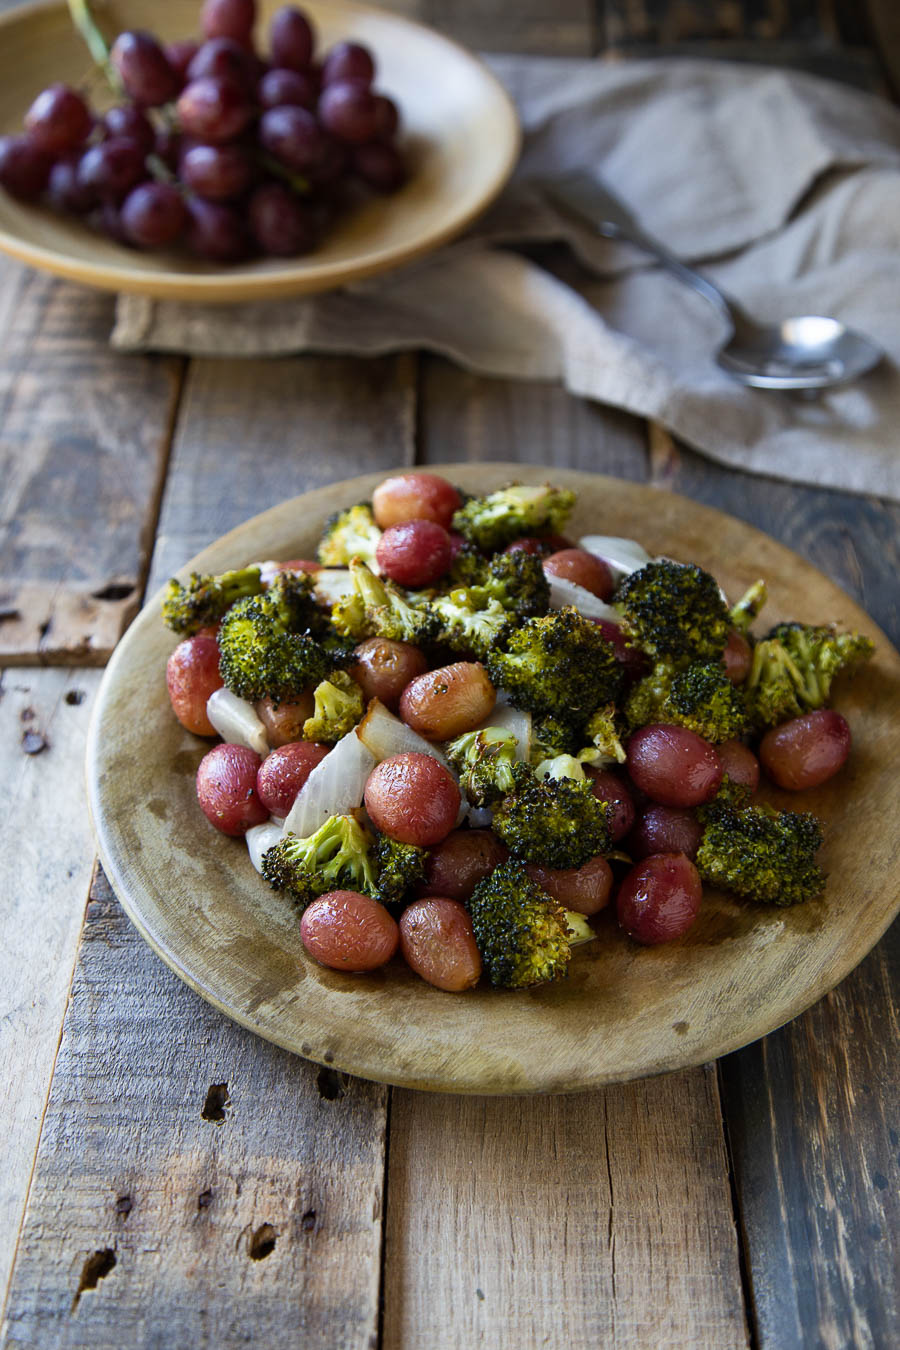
(807, 352)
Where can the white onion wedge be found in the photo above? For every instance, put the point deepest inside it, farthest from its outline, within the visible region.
(259, 838)
(236, 721)
(334, 788)
(514, 720)
(623, 556)
(331, 584)
(480, 817)
(385, 735)
(579, 928)
(563, 593)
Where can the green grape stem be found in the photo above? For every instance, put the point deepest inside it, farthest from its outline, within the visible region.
(84, 21)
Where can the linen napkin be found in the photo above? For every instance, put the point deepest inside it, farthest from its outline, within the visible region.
(786, 188)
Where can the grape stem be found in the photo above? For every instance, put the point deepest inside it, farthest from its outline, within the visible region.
(295, 181)
(84, 21)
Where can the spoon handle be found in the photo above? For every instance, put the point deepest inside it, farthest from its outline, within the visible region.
(591, 202)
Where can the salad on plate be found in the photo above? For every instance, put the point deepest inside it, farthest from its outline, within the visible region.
(459, 734)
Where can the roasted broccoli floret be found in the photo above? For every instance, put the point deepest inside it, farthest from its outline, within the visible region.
(793, 669)
(492, 522)
(469, 621)
(349, 534)
(204, 599)
(602, 734)
(484, 760)
(522, 934)
(700, 697)
(761, 853)
(772, 686)
(378, 609)
(336, 857)
(398, 867)
(555, 734)
(748, 607)
(339, 706)
(556, 664)
(518, 582)
(263, 653)
(469, 566)
(674, 610)
(558, 822)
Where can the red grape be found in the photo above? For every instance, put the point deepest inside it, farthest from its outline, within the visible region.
(226, 789)
(413, 798)
(415, 553)
(217, 172)
(348, 61)
(283, 773)
(384, 668)
(807, 750)
(127, 120)
(180, 55)
(284, 721)
(460, 861)
(674, 766)
(153, 215)
(415, 496)
(24, 169)
(216, 232)
(736, 657)
(665, 829)
(576, 564)
(609, 788)
(192, 674)
(108, 219)
(632, 659)
(349, 112)
(388, 117)
(58, 119)
(293, 136)
(349, 931)
(291, 38)
(660, 898)
(585, 889)
(214, 109)
(287, 88)
(223, 58)
(438, 943)
(739, 763)
(229, 18)
(64, 192)
(169, 146)
(448, 701)
(380, 166)
(146, 74)
(542, 545)
(112, 168)
(281, 224)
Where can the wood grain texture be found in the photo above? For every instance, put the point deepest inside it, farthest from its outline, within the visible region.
(602, 1219)
(192, 1188)
(537, 27)
(83, 451)
(46, 853)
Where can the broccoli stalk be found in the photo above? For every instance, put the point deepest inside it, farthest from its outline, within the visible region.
(522, 934)
(349, 534)
(377, 608)
(204, 599)
(761, 853)
(558, 821)
(749, 606)
(335, 857)
(556, 664)
(675, 610)
(339, 705)
(485, 761)
(603, 736)
(492, 522)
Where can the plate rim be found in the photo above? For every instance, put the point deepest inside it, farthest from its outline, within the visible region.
(344, 1062)
(224, 288)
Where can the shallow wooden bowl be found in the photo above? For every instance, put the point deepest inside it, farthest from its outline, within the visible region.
(461, 133)
(625, 1011)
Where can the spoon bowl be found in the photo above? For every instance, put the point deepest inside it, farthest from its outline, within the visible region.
(808, 352)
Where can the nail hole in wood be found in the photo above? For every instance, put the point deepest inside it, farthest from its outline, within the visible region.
(331, 1084)
(217, 1103)
(95, 1268)
(33, 742)
(308, 1222)
(124, 1205)
(44, 628)
(74, 697)
(262, 1242)
(116, 590)
(204, 1199)
(7, 613)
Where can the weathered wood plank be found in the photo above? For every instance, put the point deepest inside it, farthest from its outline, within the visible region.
(83, 447)
(193, 1186)
(602, 1219)
(884, 26)
(539, 27)
(46, 854)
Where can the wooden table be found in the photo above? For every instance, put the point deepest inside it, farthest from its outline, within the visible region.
(168, 1180)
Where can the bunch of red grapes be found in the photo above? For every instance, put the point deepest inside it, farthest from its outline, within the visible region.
(216, 147)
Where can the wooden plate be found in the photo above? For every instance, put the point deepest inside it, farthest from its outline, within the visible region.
(625, 1011)
(461, 132)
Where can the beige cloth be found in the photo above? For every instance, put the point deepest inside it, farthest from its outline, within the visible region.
(785, 187)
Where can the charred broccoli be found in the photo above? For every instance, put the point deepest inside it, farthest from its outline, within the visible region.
(700, 697)
(555, 734)
(556, 664)
(522, 934)
(793, 669)
(349, 534)
(484, 760)
(602, 734)
(492, 522)
(674, 610)
(518, 582)
(761, 853)
(263, 653)
(469, 621)
(748, 607)
(335, 857)
(339, 706)
(557, 822)
(398, 867)
(378, 609)
(204, 599)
